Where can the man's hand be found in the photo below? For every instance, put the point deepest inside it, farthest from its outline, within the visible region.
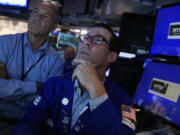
(3, 71)
(86, 73)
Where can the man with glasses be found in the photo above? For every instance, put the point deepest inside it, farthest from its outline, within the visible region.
(26, 61)
(84, 102)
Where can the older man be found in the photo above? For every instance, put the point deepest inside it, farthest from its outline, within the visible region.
(85, 102)
(26, 61)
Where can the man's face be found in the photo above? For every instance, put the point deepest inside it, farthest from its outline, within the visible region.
(41, 20)
(95, 53)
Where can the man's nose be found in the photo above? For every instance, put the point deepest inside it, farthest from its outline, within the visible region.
(88, 42)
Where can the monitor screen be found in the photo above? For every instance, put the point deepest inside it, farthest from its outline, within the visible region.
(166, 40)
(160, 84)
(136, 33)
(18, 3)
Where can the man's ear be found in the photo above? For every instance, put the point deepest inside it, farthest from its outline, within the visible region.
(112, 57)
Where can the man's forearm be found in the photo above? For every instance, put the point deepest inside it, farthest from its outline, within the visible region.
(16, 88)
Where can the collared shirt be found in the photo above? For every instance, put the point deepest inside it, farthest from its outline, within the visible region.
(80, 102)
(61, 53)
(14, 92)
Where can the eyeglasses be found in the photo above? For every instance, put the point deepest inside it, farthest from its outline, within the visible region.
(54, 3)
(97, 39)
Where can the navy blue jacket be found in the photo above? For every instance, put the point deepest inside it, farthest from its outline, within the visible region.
(106, 119)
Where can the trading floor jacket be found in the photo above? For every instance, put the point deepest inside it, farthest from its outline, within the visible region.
(55, 101)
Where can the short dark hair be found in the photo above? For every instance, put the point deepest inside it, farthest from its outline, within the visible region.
(114, 39)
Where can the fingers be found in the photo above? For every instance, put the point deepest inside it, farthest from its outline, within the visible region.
(83, 68)
(76, 61)
(74, 76)
(78, 70)
(75, 73)
(81, 61)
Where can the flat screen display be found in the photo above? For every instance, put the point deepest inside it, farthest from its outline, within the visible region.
(166, 40)
(18, 3)
(160, 84)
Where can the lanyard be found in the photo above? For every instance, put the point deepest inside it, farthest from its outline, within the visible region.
(26, 73)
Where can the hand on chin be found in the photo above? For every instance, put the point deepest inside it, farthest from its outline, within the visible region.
(79, 60)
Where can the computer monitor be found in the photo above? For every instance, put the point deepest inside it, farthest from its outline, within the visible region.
(14, 6)
(18, 3)
(136, 33)
(160, 83)
(166, 40)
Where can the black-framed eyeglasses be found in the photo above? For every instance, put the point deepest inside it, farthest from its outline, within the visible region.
(96, 39)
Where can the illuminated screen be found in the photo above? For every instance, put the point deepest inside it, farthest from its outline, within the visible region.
(19, 3)
(166, 39)
(160, 84)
